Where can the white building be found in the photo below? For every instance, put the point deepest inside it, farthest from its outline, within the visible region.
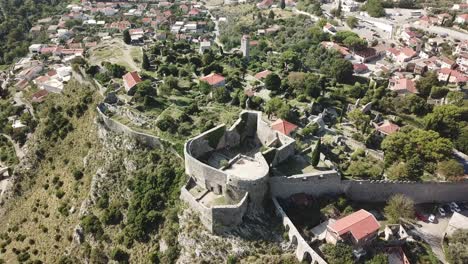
(204, 45)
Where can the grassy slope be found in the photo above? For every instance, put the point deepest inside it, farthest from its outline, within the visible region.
(37, 207)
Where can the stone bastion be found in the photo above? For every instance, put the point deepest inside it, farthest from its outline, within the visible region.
(229, 168)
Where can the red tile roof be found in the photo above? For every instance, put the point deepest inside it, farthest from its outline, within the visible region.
(194, 12)
(283, 126)
(388, 128)
(360, 224)
(404, 84)
(359, 67)
(131, 79)
(262, 74)
(39, 96)
(213, 79)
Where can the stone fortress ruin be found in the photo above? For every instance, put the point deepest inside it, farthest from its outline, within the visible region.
(232, 171)
(229, 169)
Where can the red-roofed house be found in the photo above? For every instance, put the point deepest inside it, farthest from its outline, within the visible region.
(131, 79)
(360, 68)
(40, 96)
(386, 128)
(402, 86)
(284, 127)
(452, 76)
(194, 12)
(262, 75)
(358, 228)
(214, 79)
(462, 19)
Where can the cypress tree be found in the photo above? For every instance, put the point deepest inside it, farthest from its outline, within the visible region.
(316, 153)
(126, 37)
(145, 64)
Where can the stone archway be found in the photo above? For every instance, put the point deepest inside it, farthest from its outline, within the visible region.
(307, 258)
(294, 241)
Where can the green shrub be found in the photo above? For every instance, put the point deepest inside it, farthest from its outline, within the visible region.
(119, 255)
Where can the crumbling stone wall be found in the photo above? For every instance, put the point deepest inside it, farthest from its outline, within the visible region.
(115, 126)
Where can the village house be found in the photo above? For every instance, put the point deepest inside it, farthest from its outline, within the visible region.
(39, 96)
(366, 54)
(442, 18)
(215, 80)
(204, 45)
(402, 55)
(262, 75)
(452, 76)
(402, 86)
(386, 128)
(462, 61)
(340, 49)
(360, 68)
(357, 229)
(462, 47)
(462, 19)
(130, 80)
(445, 62)
(427, 21)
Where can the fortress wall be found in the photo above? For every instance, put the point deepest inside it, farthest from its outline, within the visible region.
(284, 152)
(205, 213)
(420, 192)
(115, 126)
(294, 236)
(264, 132)
(316, 184)
(229, 215)
(204, 174)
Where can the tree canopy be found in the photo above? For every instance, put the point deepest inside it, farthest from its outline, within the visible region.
(409, 143)
(398, 207)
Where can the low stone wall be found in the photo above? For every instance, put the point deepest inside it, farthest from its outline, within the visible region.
(420, 192)
(316, 184)
(303, 249)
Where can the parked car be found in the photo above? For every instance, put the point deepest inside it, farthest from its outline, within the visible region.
(431, 218)
(420, 216)
(358, 253)
(454, 207)
(447, 208)
(442, 211)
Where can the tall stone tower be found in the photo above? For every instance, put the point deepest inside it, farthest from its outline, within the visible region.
(245, 46)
